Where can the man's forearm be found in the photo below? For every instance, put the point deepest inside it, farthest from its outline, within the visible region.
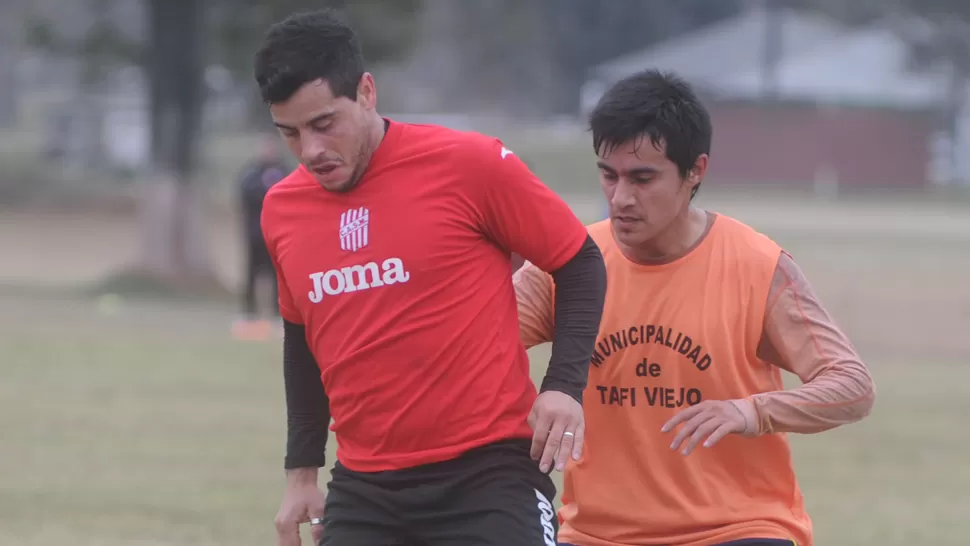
(580, 294)
(838, 396)
(801, 337)
(307, 405)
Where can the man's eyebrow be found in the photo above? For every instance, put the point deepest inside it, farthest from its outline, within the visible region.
(321, 117)
(314, 120)
(636, 171)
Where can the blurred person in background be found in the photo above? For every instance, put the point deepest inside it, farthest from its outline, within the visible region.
(256, 180)
(686, 411)
(392, 244)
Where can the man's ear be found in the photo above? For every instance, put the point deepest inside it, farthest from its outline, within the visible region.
(699, 170)
(696, 174)
(367, 91)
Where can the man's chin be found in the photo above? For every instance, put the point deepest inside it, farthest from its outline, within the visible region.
(626, 228)
(629, 235)
(336, 181)
(336, 186)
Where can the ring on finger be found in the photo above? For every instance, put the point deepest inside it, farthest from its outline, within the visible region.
(316, 521)
(570, 434)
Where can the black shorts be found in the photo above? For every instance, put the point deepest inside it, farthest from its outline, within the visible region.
(491, 496)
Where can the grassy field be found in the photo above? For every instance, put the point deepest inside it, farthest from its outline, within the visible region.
(148, 425)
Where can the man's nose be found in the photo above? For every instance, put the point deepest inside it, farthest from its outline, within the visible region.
(312, 148)
(623, 195)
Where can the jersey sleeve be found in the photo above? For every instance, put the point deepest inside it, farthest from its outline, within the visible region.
(534, 297)
(522, 214)
(288, 309)
(800, 337)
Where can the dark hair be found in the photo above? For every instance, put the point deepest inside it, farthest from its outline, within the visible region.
(306, 47)
(657, 105)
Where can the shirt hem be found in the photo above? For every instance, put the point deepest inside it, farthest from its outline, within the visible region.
(737, 531)
(403, 462)
(568, 253)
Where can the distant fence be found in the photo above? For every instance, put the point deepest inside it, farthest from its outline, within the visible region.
(802, 144)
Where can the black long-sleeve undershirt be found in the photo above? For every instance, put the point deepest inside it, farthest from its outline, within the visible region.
(307, 405)
(580, 294)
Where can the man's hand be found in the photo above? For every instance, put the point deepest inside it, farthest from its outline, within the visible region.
(558, 427)
(302, 500)
(709, 421)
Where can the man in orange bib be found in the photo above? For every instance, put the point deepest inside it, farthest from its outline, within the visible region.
(685, 409)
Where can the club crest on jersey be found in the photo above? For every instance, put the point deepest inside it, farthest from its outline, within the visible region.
(354, 230)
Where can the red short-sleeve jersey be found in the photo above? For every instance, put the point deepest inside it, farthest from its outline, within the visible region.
(404, 286)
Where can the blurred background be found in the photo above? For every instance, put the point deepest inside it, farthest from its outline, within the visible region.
(135, 410)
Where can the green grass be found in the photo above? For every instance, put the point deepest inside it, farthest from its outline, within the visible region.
(176, 439)
(147, 441)
(150, 426)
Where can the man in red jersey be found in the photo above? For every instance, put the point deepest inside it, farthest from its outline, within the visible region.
(392, 247)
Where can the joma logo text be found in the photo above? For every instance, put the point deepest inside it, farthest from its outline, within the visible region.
(357, 277)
